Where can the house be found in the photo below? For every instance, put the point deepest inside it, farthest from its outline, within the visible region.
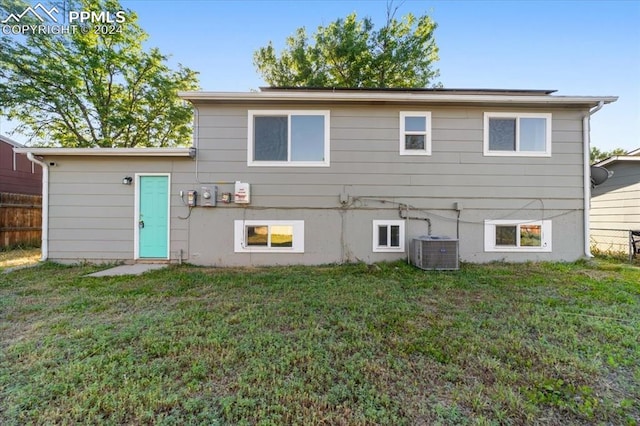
(20, 199)
(615, 204)
(314, 176)
(18, 175)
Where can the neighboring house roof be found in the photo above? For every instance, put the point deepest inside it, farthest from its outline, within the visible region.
(433, 96)
(632, 156)
(10, 142)
(109, 152)
(18, 175)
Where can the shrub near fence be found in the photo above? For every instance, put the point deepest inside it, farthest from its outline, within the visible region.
(20, 220)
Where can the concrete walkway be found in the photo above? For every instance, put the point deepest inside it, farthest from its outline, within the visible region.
(136, 269)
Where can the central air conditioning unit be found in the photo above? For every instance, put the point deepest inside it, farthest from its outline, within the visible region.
(435, 253)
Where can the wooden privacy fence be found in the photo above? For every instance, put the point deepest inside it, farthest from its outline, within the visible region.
(20, 220)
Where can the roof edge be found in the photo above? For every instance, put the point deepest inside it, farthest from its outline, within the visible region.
(395, 97)
(616, 159)
(10, 141)
(107, 152)
(409, 90)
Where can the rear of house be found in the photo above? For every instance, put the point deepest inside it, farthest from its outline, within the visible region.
(324, 176)
(615, 205)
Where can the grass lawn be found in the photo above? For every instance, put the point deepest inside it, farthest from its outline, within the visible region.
(354, 344)
(19, 257)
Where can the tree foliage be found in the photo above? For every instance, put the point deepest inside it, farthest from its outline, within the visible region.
(598, 155)
(88, 89)
(349, 52)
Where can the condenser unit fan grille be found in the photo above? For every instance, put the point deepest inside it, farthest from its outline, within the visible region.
(435, 254)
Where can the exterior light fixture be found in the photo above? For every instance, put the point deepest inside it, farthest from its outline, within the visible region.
(127, 180)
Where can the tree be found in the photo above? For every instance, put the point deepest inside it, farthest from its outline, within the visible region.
(92, 87)
(598, 155)
(350, 53)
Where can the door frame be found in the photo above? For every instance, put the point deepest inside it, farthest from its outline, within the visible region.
(136, 216)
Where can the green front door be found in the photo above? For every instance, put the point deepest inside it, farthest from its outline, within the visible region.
(153, 223)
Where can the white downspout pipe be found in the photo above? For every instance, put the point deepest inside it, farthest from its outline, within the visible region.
(45, 205)
(586, 130)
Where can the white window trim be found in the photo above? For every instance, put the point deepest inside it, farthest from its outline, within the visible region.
(517, 152)
(385, 249)
(285, 112)
(240, 235)
(426, 133)
(490, 236)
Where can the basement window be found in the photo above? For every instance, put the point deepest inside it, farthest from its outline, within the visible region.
(388, 236)
(267, 236)
(517, 235)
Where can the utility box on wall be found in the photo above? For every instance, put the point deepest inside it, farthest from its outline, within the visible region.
(242, 193)
(208, 196)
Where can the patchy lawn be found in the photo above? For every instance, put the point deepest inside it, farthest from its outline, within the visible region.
(19, 257)
(353, 344)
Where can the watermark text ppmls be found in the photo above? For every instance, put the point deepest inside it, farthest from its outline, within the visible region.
(40, 19)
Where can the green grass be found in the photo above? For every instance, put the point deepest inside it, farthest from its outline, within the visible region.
(355, 344)
(18, 257)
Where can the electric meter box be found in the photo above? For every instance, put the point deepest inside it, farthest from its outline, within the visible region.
(242, 193)
(208, 196)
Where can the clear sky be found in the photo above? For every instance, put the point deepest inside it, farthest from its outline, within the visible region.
(575, 47)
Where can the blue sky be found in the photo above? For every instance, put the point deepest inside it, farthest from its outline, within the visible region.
(575, 47)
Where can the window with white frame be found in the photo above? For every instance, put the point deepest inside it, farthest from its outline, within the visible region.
(288, 138)
(388, 235)
(517, 235)
(415, 133)
(517, 134)
(267, 236)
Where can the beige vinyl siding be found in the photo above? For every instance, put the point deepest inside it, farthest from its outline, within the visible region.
(616, 203)
(615, 208)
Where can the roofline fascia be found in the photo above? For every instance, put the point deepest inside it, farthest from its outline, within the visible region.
(443, 98)
(107, 152)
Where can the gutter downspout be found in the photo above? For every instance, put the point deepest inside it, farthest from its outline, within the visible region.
(586, 130)
(45, 205)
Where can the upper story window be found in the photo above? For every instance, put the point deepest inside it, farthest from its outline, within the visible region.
(415, 133)
(517, 134)
(288, 138)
